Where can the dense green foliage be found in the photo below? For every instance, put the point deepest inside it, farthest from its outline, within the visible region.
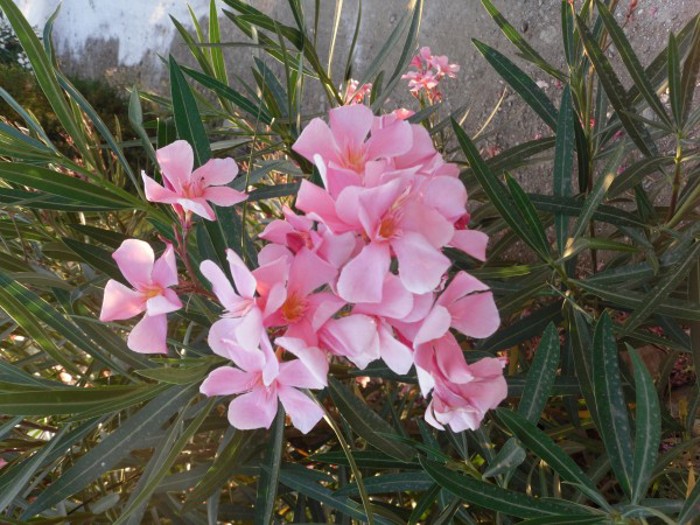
(95, 433)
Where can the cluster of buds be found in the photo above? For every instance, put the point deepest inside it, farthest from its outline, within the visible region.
(357, 274)
(429, 71)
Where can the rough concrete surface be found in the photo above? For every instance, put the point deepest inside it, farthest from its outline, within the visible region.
(448, 27)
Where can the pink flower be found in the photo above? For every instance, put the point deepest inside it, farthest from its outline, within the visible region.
(260, 387)
(151, 281)
(193, 190)
(354, 93)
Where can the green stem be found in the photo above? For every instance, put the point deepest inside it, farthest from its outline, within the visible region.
(676, 179)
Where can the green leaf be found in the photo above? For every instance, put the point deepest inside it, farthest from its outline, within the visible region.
(372, 459)
(98, 258)
(495, 190)
(616, 92)
(529, 214)
(521, 83)
(634, 67)
(674, 80)
(507, 460)
(270, 472)
(666, 285)
(526, 50)
(541, 375)
(691, 507)
(366, 423)
(390, 483)
(563, 163)
(595, 197)
(183, 375)
(566, 520)
(52, 182)
(131, 434)
(610, 403)
(633, 174)
(216, 53)
(488, 496)
(691, 67)
(647, 428)
(574, 207)
(522, 329)
(544, 447)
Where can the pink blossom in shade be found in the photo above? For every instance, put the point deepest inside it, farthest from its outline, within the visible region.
(354, 93)
(462, 405)
(467, 305)
(260, 383)
(151, 281)
(3, 462)
(403, 113)
(193, 190)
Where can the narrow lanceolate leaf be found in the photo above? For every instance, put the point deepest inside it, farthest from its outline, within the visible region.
(674, 79)
(634, 67)
(188, 121)
(691, 507)
(691, 67)
(521, 83)
(616, 92)
(541, 375)
(663, 289)
(511, 455)
(526, 50)
(566, 520)
(544, 447)
(51, 182)
(368, 425)
(390, 483)
(495, 190)
(270, 472)
(563, 163)
(529, 214)
(29, 468)
(488, 496)
(635, 173)
(610, 403)
(131, 434)
(592, 202)
(647, 428)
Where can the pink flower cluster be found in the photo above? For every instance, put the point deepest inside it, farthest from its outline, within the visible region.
(354, 93)
(359, 275)
(430, 70)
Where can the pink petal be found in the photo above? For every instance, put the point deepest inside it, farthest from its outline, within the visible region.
(120, 302)
(354, 337)
(350, 125)
(242, 277)
(164, 303)
(396, 303)
(224, 196)
(395, 354)
(221, 286)
(302, 410)
(216, 172)
(176, 162)
(256, 409)
(374, 203)
(450, 361)
(313, 359)
(225, 381)
(475, 315)
(222, 340)
(391, 141)
(157, 193)
(309, 272)
(427, 222)
(318, 203)
(471, 242)
(361, 280)
(421, 266)
(148, 335)
(165, 268)
(316, 138)
(461, 285)
(337, 248)
(198, 206)
(294, 373)
(434, 326)
(135, 260)
(446, 195)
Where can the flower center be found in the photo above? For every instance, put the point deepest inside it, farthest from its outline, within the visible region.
(355, 159)
(293, 308)
(152, 291)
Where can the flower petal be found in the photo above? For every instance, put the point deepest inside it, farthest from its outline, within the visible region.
(221, 286)
(135, 260)
(302, 410)
(471, 242)
(434, 326)
(350, 125)
(120, 302)
(395, 354)
(225, 381)
(256, 409)
(164, 303)
(216, 172)
(316, 138)
(157, 193)
(224, 196)
(148, 335)
(165, 268)
(242, 277)
(421, 266)
(361, 280)
(176, 161)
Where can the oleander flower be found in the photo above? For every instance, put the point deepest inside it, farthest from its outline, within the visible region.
(193, 190)
(151, 281)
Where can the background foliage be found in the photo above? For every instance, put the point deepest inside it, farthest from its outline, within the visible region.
(94, 433)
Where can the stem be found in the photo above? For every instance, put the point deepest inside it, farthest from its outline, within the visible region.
(676, 179)
(353, 465)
